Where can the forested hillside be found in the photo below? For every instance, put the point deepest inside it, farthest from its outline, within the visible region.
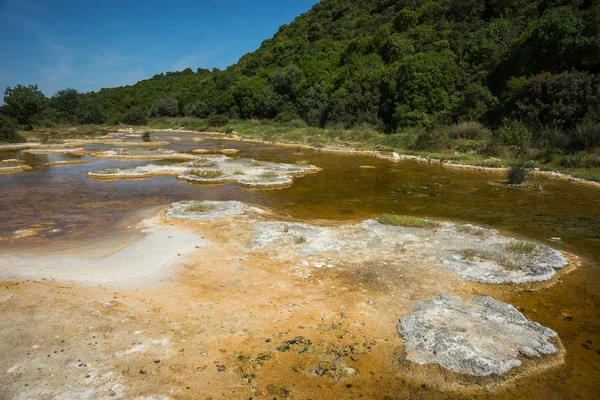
(389, 65)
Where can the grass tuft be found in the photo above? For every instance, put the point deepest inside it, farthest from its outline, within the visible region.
(199, 208)
(521, 247)
(406, 220)
(269, 174)
(517, 173)
(202, 163)
(299, 240)
(469, 230)
(205, 173)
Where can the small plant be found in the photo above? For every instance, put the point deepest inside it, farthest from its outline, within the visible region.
(406, 220)
(238, 172)
(205, 173)
(302, 162)
(146, 137)
(521, 247)
(269, 174)
(199, 208)
(256, 163)
(299, 240)
(541, 186)
(286, 228)
(517, 173)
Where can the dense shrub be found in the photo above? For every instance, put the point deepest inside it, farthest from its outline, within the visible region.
(469, 130)
(559, 100)
(580, 160)
(8, 131)
(199, 109)
(217, 120)
(135, 116)
(433, 140)
(165, 107)
(513, 133)
(586, 135)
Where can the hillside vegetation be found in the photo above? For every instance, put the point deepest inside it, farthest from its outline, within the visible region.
(489, 76)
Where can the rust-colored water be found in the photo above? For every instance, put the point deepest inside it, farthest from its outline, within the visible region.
(570, 211)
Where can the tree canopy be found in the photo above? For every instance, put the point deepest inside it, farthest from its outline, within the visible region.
(24, 102)
(390, 64)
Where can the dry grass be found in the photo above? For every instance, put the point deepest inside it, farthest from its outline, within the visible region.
(205, 173)
(508, 262)
(199, 208)
(521, 247)
(269, 174)
(255, 163)
(302, 162)
(202, 163)
(469, 230)
(469, 254)
(406, 220)
(238, 172)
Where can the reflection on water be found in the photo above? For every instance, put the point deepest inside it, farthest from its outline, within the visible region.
(570, 211)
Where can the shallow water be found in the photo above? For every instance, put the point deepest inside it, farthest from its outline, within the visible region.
(75, 207)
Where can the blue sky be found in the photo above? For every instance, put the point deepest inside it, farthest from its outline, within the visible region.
(91, 44)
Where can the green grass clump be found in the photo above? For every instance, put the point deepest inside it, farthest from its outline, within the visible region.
(521, 247)
(299, 240)
(517, 173)
(406, 220)
(238, 172)
(205, 173)
(199, 208)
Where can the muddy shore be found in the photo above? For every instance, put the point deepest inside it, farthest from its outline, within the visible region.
(232, 316)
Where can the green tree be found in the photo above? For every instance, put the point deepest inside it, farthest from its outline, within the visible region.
(198, 109)
(66, 103)
(24, 103)
(135, 116)
(165, 107)
(90, 111)
(285, 80)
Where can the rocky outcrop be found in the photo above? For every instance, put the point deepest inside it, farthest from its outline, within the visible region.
(479, 337)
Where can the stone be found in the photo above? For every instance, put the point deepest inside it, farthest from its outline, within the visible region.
(478, 337)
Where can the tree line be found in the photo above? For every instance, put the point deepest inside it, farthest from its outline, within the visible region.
(523, 69)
